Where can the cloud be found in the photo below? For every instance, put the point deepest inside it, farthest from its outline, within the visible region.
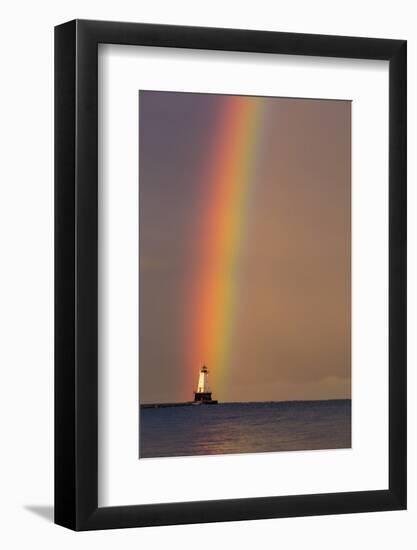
(147, 263)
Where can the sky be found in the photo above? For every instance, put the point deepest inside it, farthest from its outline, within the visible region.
(244, 237)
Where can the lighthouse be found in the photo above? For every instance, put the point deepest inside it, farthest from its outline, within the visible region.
(203, 394)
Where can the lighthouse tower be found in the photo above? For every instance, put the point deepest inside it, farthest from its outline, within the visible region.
(203, 393)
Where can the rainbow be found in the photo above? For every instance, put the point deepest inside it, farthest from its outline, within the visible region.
(228, 179)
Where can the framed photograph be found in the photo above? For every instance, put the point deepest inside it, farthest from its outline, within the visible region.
(230, 284)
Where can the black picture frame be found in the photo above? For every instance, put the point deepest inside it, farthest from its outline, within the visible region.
(76, 273)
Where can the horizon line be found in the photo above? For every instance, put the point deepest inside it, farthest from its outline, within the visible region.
(247, 402)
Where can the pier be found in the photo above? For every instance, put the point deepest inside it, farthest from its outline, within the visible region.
(202, 396)
(163, 405)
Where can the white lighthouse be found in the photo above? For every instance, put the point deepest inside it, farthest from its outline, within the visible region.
(203, 393)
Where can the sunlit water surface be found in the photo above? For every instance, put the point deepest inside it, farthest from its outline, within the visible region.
(244, 428)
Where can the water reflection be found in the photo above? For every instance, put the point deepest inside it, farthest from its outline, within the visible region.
(245, 428)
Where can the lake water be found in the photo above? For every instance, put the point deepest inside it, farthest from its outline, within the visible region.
(244, 428)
